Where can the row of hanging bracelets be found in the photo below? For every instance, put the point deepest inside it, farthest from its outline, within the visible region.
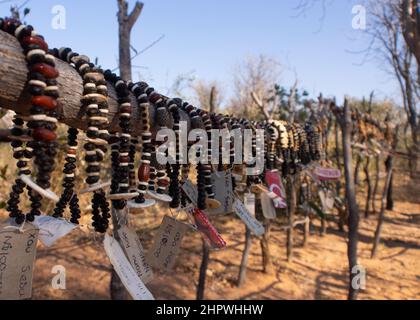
(287, 146)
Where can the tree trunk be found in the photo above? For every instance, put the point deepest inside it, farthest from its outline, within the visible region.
(203, 271)
(369, 187)
(244, 260)
(291, 215)
(267, 264)
(353, 217)
(265, 248)
(389, 195)
(337, 157)
(212, 100)
(378, 230)
(116, 288)
(375, 188)
(125, 25)
(356, 170)
(306, 229)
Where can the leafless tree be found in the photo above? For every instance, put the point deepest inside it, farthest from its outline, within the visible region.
(126, 23)
(208, 94)
(255, 75)
(394, 27)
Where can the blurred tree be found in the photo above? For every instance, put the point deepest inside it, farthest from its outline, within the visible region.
(257, 74)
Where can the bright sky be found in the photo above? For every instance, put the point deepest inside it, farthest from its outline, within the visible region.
(210, 37)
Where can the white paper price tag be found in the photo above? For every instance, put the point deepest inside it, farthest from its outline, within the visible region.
(267, 205)
(135, 253)
(191, 191)
(253, 224)
(125, 271)
(51, 229)
(249, 202)
(17, 257)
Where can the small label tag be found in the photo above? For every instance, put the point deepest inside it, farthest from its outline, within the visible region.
(268, 209)
(125, 271)
(52, 229)
(223, 190)
(327, 174)
(191, 191)
(253, 224)
(327, 200)
(277, 190)
(249, 202)
(166, 244)
(207, 230)
(17, 257)
(133, 248)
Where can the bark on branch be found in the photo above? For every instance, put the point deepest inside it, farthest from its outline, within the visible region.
(14, 96)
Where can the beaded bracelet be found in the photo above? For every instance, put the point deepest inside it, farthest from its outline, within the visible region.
(41, 123)
(197, 123)
(174, 189)
(69, 196)
(163, 121)
(208, 168)
(95, 102)
(120, 146)
(139, 91)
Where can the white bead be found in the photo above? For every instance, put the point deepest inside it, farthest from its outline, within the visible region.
(37, 83)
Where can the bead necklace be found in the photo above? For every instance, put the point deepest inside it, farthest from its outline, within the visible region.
(208, 168)
(69, 196)
(174, 186)
(163, 121)
(41, 122)
(139, 91)
(95, 102)
(120, 146)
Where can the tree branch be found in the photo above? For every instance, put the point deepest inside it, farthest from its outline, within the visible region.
(260, 105)
(134, 15)
(14, 95)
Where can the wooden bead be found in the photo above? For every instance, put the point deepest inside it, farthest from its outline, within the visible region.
(46, 70)
(42, 134)
(163, 182)
(45, 102)
(27, 41)
(144, 172)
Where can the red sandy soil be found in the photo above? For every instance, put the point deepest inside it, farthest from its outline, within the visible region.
(318, 270)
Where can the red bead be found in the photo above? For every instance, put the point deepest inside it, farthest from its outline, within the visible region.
(155, 97)
(124, 159)
(27, 41)
(42, 134)
(163, 182)
(46, 70)
(45, 102)
(144, 172)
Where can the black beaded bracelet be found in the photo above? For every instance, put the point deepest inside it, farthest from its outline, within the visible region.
(121, 145)
(139, 91)
(69, 196)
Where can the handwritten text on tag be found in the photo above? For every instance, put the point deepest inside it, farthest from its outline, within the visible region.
(17, 257)
(125, 271)
(166, 244)
(222, 187)
(253, 224)
(133, 248)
